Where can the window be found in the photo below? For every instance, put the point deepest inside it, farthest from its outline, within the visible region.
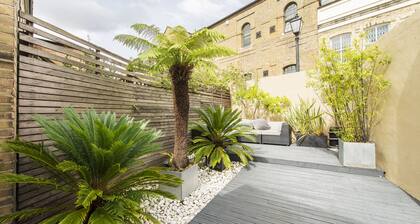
(265, 73)
(374, 33)
(290, 12)
(272, 29)
(248, 76)
(246, 35)
(340, 42)
(289, 69)
(258, 34)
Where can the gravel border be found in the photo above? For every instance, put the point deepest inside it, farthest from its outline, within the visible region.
(211, 182)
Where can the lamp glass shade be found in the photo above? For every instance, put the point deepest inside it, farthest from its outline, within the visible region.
(296, 25)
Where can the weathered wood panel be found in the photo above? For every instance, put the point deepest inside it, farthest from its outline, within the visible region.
(57, 70)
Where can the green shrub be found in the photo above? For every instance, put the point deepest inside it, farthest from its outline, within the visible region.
(257, 103)
(306, 119)
(353, 86)
(220, 129)
(100, 169)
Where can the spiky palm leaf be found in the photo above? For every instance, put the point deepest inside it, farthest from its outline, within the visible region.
(220, 129)
(178, 53)
(101, 156)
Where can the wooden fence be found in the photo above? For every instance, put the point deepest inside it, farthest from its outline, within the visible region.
(58, 69)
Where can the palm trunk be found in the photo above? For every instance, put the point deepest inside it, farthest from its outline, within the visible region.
(180, 76)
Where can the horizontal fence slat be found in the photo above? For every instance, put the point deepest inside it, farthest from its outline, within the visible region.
(58, 72)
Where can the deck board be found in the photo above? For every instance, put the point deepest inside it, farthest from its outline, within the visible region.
(272, 193)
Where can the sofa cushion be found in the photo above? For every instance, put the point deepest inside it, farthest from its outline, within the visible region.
(268, 132)
(277, 125)
(261, 124)
(247, 123)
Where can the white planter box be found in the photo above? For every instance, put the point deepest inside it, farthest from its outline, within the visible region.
(189, 177)
(355, 154)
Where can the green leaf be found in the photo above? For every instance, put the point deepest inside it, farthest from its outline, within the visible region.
(75, 217)
(23, 214)
(86, 195)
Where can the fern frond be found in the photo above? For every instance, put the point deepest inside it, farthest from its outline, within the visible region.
(24, 215)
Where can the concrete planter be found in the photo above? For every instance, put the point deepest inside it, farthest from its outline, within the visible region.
(190, 182)
(355, 154)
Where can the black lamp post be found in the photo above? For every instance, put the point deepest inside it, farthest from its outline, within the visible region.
(296, 26)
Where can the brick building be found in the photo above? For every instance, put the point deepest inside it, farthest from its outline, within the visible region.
(265, 48)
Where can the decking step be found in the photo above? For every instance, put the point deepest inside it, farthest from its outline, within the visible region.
(307, 157)
(319, 166)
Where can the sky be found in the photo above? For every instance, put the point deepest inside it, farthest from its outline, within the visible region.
(100, 20)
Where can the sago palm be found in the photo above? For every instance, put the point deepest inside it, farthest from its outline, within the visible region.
(219, 130)
(178, 53)
(101, 169)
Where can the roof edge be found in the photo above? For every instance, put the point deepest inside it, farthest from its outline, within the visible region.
(234, 13)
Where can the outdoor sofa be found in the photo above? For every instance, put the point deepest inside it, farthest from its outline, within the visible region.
(276, 133)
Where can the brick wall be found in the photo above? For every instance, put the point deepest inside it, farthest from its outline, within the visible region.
(273, 50)
(8, 15)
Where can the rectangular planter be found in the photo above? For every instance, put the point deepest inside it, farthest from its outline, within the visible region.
(312, 141)
(355, 154)
(189, 177)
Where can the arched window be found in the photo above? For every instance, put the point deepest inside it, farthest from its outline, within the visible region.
(246, 35)
(289, 69)
(290, 12)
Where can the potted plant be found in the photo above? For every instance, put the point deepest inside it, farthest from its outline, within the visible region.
(352, 84)
(308, 124)
(177, 53)
(101, 169)
(219, 130)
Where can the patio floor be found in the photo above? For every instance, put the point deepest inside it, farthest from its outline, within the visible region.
(274, 193)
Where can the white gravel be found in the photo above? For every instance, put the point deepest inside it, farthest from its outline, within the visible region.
(179, 212)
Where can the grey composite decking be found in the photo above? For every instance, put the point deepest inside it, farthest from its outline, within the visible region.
(307, 157)
(276, 194)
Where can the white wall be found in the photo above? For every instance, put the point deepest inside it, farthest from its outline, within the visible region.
(345, 7)
(291, 85)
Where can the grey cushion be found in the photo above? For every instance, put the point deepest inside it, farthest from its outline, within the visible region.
(247, 123)
(260, 124)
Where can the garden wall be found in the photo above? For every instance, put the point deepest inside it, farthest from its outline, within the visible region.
(397, 136)
(8, 18)
(57, 69)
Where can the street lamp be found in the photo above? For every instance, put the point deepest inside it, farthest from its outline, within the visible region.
(296, 26)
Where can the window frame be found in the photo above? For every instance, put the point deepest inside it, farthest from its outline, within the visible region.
(287, 19)
(246, 36)
(266, 73)
(285, 69)
(258, 35)
(342, 46)
(375, 28)
(272, 29)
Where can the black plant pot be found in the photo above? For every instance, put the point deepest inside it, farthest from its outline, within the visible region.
(312, 141)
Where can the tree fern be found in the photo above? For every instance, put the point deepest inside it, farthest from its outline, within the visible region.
(100, 168)
(178, 53)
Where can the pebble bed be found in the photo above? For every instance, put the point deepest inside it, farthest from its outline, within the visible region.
(211, 182)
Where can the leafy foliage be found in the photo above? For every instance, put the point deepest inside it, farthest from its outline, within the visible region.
(306, 119)
(257, 103)
(178, 53)
(220, 129)
(161, 51)
(353, 86)
(100, 168)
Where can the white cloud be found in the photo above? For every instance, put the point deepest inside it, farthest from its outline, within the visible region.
(103, 19)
